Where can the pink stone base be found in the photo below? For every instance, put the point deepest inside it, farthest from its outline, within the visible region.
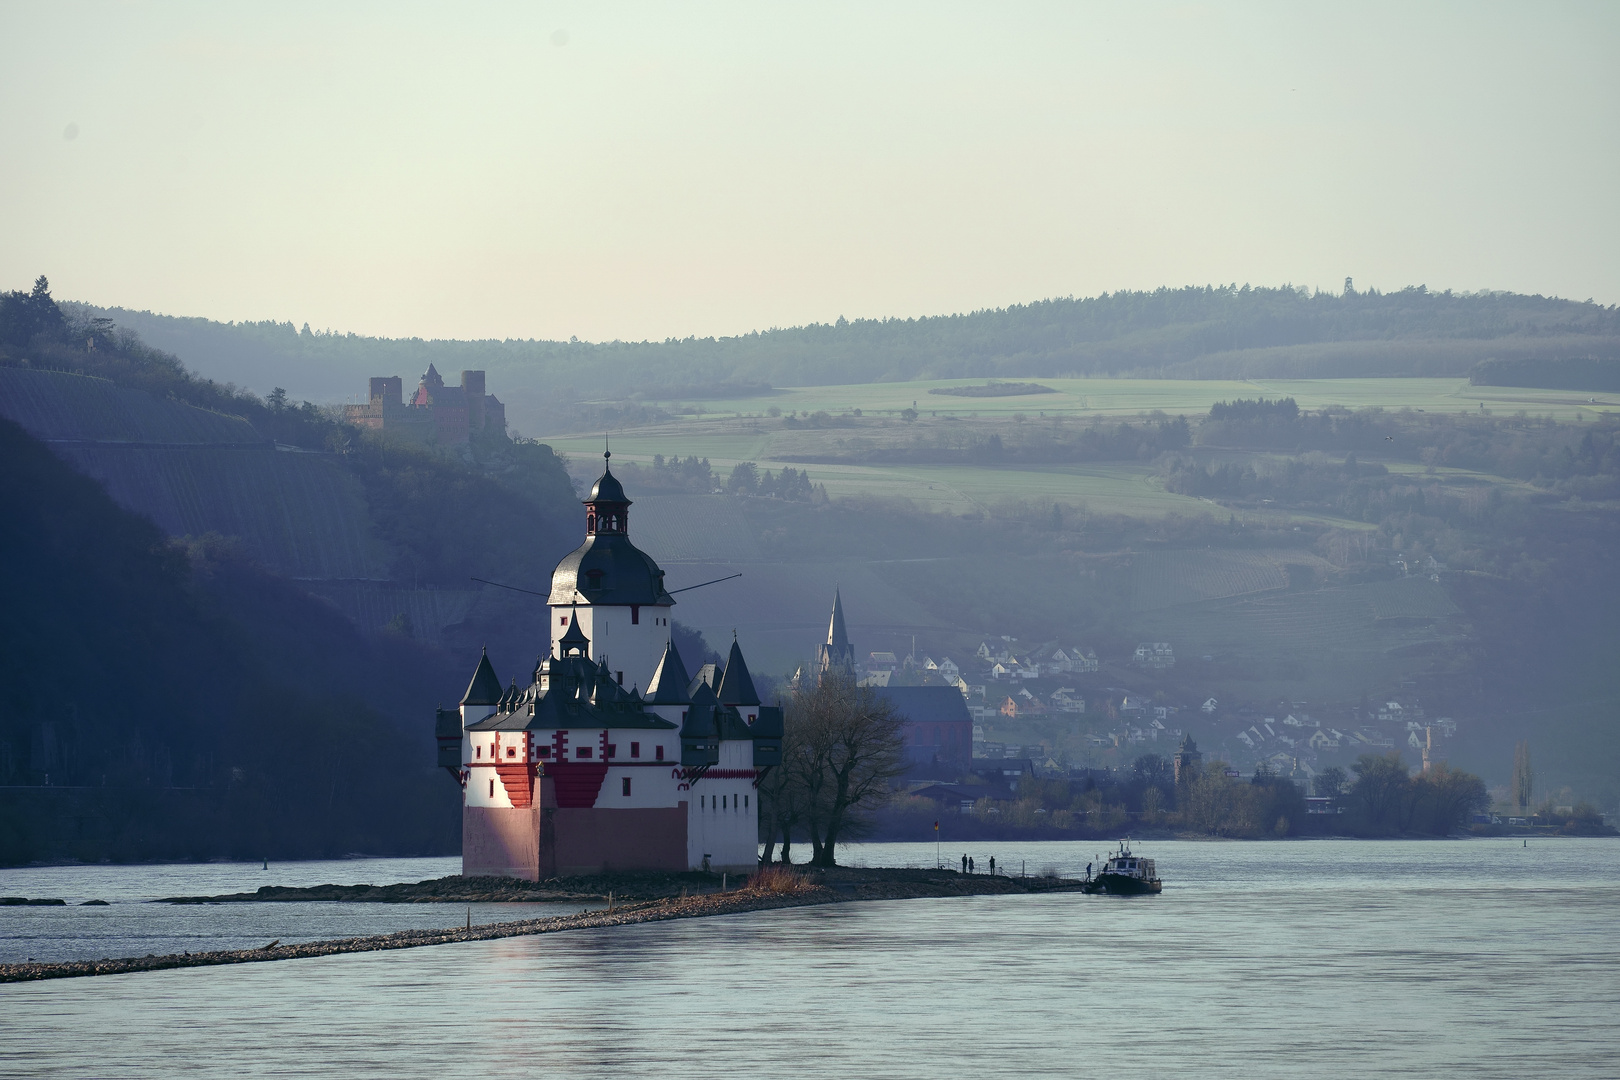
(534, 843)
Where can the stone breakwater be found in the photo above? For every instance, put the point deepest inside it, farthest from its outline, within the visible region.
(817, 887)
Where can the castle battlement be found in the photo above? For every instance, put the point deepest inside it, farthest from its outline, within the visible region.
(436, 414)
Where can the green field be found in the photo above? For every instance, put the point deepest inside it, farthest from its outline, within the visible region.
(1116, 397)
(731, 431)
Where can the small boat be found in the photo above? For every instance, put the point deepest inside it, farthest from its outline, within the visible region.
(1124, 874)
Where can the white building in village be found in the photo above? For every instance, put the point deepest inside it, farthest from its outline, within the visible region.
(574, 773)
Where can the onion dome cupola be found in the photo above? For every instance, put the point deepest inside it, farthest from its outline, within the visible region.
(485, 688)
(668, 686)
(607, 568)
(736, 685)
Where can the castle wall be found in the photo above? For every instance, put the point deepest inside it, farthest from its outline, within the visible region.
(501, 842)
(723, 813)
(594, 841)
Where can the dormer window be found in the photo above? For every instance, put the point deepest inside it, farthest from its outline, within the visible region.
(593, 579)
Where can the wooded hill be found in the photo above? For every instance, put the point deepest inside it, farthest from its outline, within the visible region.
(1192, 332)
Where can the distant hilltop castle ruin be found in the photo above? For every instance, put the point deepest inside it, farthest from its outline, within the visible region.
(436, 414)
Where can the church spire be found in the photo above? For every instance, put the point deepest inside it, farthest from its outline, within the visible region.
(837, 655)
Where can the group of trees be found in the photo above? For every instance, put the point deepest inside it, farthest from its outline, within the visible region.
(1383, 799)
(842, 750)
(790, 484)
(1386, 798)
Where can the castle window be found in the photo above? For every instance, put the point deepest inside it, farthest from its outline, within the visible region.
(511, 751)
(620, 676)
(492, 789)
(660, 754)
(745, 802)
(635, 618)
(582, 751)
(627, 785)
(722, 802)
(478, 751)
(635, 749)
(562, 620)
(544, 751)
(613, 749)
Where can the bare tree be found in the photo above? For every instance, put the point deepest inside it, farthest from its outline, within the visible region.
(843, 747)
(782, 795)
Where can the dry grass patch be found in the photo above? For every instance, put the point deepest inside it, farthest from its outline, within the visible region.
(779, 880)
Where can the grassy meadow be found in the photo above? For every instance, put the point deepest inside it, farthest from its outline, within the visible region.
(729, 431)
(1126, 397)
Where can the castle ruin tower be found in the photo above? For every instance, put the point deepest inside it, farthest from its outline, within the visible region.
(612, 591)
(1186, 760)
(837, 656)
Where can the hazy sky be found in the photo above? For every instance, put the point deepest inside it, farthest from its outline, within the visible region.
(660, 170)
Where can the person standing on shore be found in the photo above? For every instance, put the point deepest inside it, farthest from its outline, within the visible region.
(992, 866)
(964, 864)
(970, 865)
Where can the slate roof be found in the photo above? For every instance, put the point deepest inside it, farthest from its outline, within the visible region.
(608, 569)
(668, 686)
(926, 704)
(607, 488)
(576, 694)
(485, 688)
(736, 685)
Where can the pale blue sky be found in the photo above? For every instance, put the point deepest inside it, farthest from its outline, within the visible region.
(607, 170)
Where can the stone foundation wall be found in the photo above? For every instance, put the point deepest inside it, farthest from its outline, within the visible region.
(596, 841)
(501, 842)
(535, 843)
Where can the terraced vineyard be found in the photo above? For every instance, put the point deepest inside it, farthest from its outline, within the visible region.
(59, 407)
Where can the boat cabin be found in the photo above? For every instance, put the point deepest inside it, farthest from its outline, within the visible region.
(1125, 864)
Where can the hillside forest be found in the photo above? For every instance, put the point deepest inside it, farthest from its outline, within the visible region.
(1202, 332)
(151, 675)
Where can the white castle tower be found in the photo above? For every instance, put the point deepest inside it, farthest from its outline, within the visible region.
(612, 591)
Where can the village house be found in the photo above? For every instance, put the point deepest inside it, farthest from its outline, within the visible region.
(1155, 656)
(1065, 699)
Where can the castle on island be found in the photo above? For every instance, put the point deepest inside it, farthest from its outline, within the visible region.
(609, 756)
(436, 414)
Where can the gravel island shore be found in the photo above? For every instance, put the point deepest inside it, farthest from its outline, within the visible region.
(634, 898)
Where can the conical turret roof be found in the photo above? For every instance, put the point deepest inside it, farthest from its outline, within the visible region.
(736, 685)
(668, 686)
(485, 688)
(575, 637)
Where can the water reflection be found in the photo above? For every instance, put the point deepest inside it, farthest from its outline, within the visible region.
(1429, 959)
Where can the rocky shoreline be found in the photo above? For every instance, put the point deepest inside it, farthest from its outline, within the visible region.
(634, 898)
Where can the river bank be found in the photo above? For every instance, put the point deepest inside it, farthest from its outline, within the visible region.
(632, 899)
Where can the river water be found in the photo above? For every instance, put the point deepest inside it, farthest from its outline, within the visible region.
(1328, 958)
